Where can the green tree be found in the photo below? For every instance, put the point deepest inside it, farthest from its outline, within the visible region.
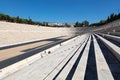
(111, 17)
(30, 21)
(17, 19)
(85, 23)
(67, 25)
(2, 17)
(78, 24)
(108, 19)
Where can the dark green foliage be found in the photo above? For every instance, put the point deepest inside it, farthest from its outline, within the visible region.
(78, 24)
(4, 17)
(83, 24)
(110, 18)
(67, 25)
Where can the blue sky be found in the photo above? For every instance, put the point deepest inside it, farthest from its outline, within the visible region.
(60, 10)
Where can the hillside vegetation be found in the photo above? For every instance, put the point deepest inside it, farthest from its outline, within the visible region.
(5, 17)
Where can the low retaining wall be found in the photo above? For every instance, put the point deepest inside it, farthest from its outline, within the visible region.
(30, 41)
(115, 33)
(26, 62)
